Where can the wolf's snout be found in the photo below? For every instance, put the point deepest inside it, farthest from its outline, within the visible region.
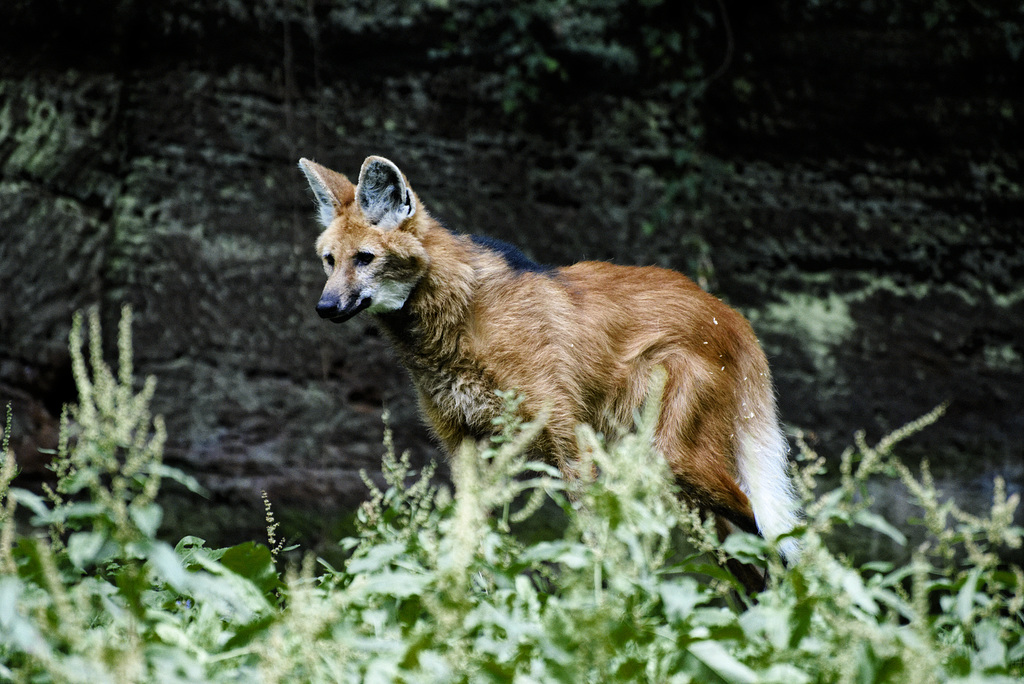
(335, 310)
(329, 306)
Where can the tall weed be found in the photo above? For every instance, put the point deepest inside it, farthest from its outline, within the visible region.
(439, 587)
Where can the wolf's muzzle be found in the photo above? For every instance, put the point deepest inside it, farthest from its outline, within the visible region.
(331, 307)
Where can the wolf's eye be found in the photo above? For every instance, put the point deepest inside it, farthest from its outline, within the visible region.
(363, 258)
(329, 259)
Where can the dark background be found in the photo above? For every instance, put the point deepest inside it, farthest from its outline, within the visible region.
(848, 176)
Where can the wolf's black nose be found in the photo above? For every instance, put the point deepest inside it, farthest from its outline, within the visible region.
(329, 306)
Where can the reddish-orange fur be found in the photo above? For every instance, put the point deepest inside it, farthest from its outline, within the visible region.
(578, 342)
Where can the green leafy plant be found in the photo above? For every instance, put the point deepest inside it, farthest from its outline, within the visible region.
(100, 598)
(542, 45)
(438, 585)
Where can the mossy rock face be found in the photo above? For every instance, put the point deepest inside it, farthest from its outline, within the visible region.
(56, 137)
(868, 223)
(850, 297)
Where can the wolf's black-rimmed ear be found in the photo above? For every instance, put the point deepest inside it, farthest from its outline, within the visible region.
(384, 196)
(332, 189)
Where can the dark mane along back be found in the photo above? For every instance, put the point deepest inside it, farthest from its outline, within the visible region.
(515, 259)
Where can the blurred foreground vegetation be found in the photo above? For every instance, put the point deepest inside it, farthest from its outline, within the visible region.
(438, 587)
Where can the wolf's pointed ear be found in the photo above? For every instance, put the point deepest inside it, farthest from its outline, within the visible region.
(384, 196)
(333, 190)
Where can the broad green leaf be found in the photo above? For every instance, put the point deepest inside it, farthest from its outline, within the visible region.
(169, 567)
(570, 554)
(146, 518)
(190, 483)
(748, 548)
(231, 595)
(785, 673)
(879, 524)
(853, 585)
(394, 583)
(991, 654)
(84, 548)
(767, 623)
(965, 597)
(17, 632)
(255, 563)
(803, 613)
(31, 501)
(680, 597)
(377, 558)
(716, 657)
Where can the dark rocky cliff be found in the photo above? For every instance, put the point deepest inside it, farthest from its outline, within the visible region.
(852, 183)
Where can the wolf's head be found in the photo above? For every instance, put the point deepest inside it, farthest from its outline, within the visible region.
(371, 244)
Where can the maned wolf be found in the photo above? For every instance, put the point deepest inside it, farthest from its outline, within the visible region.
(471, 315)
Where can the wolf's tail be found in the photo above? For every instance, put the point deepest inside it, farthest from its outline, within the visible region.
(762, 465)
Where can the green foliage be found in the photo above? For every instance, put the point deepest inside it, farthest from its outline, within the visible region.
(438, 587)
(950, 20)
(542, 45)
